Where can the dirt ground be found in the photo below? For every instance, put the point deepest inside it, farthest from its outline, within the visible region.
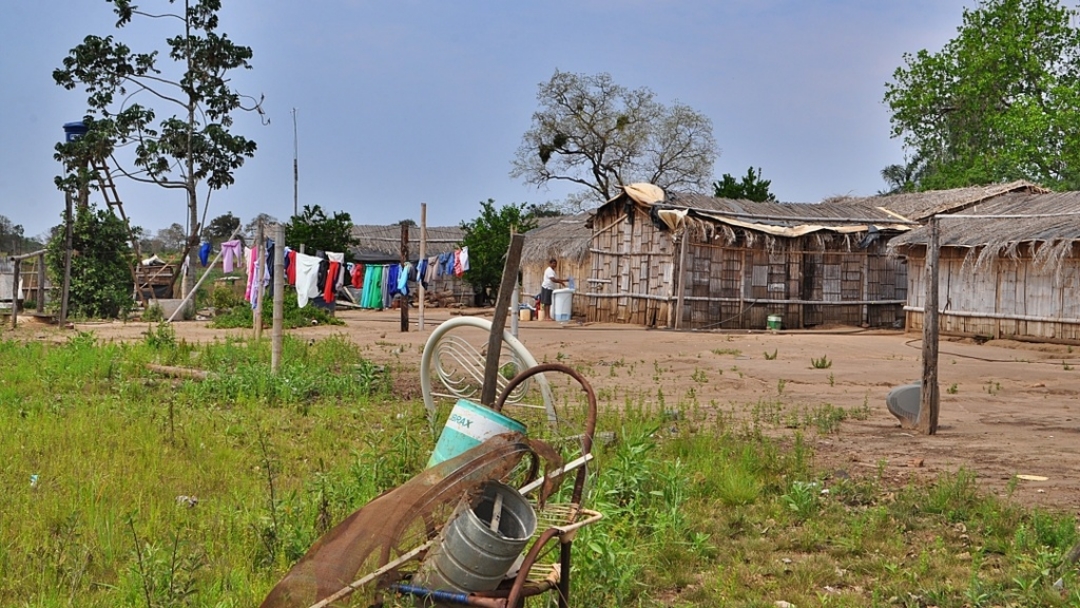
(1007, 408)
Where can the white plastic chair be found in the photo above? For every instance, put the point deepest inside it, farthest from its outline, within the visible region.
(455, 354)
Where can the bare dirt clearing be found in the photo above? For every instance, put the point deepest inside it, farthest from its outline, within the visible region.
(1007, 408)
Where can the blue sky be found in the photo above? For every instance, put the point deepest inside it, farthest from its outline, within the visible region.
(405, 102)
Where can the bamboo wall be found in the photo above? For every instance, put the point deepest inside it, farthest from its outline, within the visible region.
(1012, 298)
(636, 271)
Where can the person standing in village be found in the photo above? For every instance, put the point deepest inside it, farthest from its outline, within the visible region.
(547, 287)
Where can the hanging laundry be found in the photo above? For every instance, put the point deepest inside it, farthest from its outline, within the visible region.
(464, 260)
(403, 279)
(458, 270)
(290, 266)
(231, 253)
(204, 253)
(333, 273)
(357, 276)
(307, 278)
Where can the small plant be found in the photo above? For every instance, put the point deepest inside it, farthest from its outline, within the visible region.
(1065, 366)
(699, 376)
(832, 380)
(802, 498)
(153, 314)
(993, 387)
(822, 363)
(953, 389)
(772, 357)
(727, 351)
(780, 384)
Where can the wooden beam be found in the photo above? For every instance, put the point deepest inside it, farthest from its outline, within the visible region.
(927, 421)
(402, 298)
(502, 308)
(276, 332)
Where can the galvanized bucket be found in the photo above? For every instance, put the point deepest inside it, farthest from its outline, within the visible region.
(471, 556)
(470, 425)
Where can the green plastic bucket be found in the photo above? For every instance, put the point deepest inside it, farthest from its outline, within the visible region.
(773, 321)
(468, 426)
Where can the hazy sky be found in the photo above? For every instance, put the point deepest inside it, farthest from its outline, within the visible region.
(405, 102)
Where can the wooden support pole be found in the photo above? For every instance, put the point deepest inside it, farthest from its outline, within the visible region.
(65, 290)
(423, 256)
(927, 421)
(276, 333)
(404, 299)
(515, 297)
(15, 294)
(259, 254)
(680, 286)
(41, 283)
(502, 306)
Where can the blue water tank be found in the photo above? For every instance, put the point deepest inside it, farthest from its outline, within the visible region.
(74, 131)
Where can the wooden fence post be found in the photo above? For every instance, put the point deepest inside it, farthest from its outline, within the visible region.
(927, 421)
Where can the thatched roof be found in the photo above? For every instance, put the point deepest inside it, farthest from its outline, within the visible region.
(383, 243)
(720, 218)
(565, 237)
(1045, 226)
(919, 206)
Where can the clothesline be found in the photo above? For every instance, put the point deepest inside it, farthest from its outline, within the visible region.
(324, 274)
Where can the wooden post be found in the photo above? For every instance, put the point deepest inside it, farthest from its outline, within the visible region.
(680, 286)
(41, 283)
(279, 298)
(259, 255)
(404, 299)
(502, 306)
(515, 297)
(423, 256)
(15, 293)
(65, 290)
(927, 421)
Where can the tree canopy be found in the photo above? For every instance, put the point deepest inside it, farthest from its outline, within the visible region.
(1000, 101)
(172, 111)
(221, 227)
(100, 266)
(594, 133)
(750, 188)
(318, 232)
(488, 238)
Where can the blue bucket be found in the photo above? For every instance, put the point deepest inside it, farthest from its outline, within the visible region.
(468, 426)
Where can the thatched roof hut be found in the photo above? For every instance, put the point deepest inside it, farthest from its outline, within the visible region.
(1008, 267)
(696, 261)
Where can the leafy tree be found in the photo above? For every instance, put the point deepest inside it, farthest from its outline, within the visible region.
(172, 239)
(750, 188)
(12, 236)
(317, 232)
(265, 218)
(406, 222)
(488, 238)
(125, 90)
(101, 262)
(221, 227)
(1000, 101)
(903, 178)
(594, 133)
(548, 209)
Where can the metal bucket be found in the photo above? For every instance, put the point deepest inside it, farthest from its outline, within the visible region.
(773, 321)
(471, 556)
(468, 426)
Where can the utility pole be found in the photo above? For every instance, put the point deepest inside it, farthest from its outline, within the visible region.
(295, 168)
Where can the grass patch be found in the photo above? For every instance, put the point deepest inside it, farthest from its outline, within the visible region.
(126, 489)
